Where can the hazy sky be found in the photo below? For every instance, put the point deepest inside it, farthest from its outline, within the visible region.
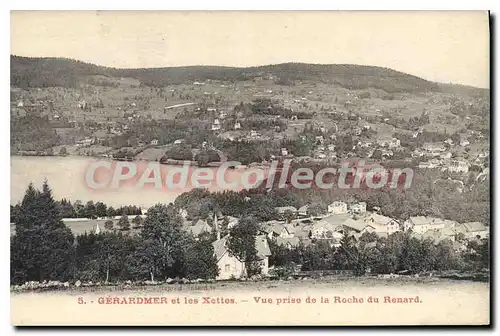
(439, 46)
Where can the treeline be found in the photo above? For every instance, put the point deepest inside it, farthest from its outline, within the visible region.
(266, 106)
(423, 198)
(48, 72)
(398, 253)
(78, 209)
(43, 248)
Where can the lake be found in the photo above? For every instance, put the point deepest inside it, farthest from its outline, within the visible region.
(66, 177)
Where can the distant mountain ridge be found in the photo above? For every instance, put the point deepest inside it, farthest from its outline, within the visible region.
(46, 72)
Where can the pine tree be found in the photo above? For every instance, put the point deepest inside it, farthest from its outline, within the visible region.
(42, 248)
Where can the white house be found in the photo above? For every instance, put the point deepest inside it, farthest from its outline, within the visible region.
(216, 125)
(154, 142)
(458, 166)
(329, 227)
(231, 267)
(476, 229)
(421, 224)
(358, 208)
(382, 224)
(358, 226)
(303, 211)
(280, 230)
(337, 207)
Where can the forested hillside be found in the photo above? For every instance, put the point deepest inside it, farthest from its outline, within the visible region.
(48, 72)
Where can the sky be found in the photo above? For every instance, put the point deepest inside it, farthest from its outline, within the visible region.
(446, 46)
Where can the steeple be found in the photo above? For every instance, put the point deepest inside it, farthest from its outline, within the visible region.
(97, 229)
(216, 225)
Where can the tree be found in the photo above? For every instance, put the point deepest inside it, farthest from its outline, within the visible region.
(377, 154)
(206, 156)
(100, 209)
(137, 221)
(200, 262)
(90, 210)
(289, 216)
(63, 151)
(349, 256)
(124, 223)
(110, 212)
(42, 248)
(163, 242)
(104, 257)
(241, 244)
(180, 152)
(108, 225)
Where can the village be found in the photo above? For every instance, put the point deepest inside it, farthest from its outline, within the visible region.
(263, 116)
(297, 227)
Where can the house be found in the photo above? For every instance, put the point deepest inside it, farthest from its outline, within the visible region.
(284, 152)
(289, 243)
(434, 147)
(446, 155)
(475, 230)
(154, 142)
(329, 227)
(337, 207)
(435, 235)
(458, 166)
(358, 226)
(237, 126)
(382, 224)
(178, 141)
(279, 230)
(183, 213)
(231, 267)
(449, 141)
(199, 227)
(358, 208)
(232, 221)
(302, 212)
(390, 143)
(421, 224)
(216, 125)
(464, 143)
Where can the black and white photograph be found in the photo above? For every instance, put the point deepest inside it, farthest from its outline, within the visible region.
(250, 168)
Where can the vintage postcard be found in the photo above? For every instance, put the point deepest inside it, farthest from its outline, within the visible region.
(320, 168)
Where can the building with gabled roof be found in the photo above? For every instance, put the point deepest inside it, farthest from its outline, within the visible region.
(475, 229)
(231, 266)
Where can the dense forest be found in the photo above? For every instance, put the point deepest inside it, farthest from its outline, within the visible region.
(48, 72)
